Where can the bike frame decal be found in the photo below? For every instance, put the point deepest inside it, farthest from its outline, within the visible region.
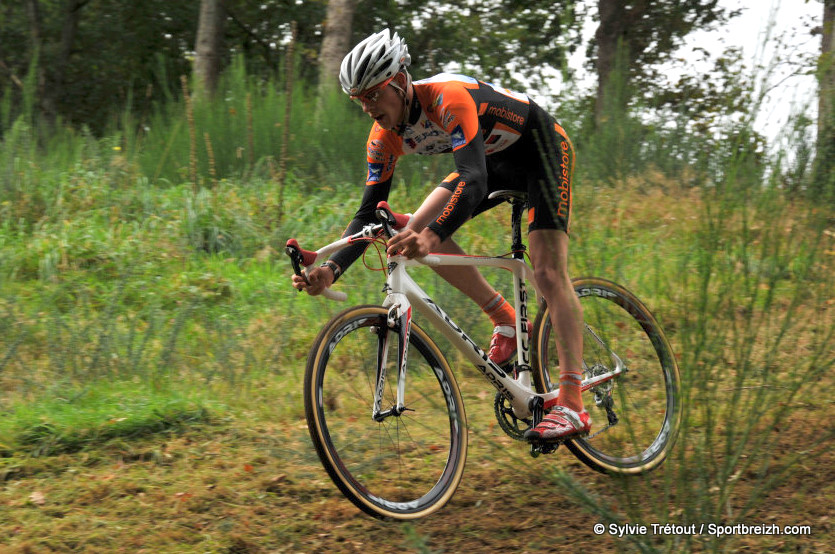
(518, 393)
(520, 298)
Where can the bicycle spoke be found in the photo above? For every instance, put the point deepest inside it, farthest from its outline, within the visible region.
(619, 334)
(407, 462)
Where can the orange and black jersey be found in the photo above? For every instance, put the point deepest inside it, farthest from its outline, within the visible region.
(449, 113)
(477, 122)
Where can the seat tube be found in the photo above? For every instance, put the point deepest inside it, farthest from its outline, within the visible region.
(523, 339)
(520, 297)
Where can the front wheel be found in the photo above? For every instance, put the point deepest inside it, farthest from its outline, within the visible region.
(636, 415)
(408, 464)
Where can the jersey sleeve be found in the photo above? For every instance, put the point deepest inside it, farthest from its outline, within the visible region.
(373, 195)
(382, 151)
(457, 114)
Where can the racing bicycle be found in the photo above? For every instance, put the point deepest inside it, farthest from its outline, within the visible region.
(384, 409)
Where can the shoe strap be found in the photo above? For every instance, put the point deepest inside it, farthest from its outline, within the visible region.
(505, 330)
(569, 415)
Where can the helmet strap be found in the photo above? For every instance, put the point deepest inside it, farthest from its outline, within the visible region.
(404, 95)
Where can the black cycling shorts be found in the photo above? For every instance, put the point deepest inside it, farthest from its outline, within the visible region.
(541, 163)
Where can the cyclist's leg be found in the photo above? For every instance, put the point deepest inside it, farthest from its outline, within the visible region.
(549, 195)
(549, 254)
(471, 282)
(467, 279)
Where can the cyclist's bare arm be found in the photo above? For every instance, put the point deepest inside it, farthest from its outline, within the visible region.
(417, 240)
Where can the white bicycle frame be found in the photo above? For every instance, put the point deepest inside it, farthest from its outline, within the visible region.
(402, 293)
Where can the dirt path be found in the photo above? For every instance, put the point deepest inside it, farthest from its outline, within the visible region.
(222, 488)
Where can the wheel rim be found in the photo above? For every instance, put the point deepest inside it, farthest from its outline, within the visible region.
(408, 463)
(644, 398)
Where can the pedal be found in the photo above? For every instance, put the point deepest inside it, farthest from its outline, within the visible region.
(548, 446)
(538, 448)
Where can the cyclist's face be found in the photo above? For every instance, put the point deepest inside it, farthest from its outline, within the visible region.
(382, 104)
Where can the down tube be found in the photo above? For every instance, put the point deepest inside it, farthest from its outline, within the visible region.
(516, 394)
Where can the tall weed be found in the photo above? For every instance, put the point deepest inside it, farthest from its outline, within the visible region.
(747, 302)
(245, 123)
(117, 268)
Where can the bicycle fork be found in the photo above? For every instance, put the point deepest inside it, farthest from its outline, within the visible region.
(399, 321)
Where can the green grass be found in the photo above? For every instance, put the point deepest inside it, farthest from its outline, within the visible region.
(85, 417)
(144, 315)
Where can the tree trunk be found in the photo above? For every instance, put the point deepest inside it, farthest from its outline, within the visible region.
(51, 83)
(336, 42)
(607, 34)
(824, 171)
(210, 28)
(827, 68)
(33, 12)
(72, 16)
(615, 53)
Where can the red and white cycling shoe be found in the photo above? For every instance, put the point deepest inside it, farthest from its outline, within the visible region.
(503, 344)
(560, 424)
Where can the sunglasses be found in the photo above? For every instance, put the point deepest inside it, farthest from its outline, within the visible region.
(372, 95)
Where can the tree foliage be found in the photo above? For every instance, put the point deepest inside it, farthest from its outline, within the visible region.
(83, 62)
(644, 33)
(130, 54)
(117, 50)
(508, 41)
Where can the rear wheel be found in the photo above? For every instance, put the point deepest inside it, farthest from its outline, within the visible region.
(409, 464)
(635, 415)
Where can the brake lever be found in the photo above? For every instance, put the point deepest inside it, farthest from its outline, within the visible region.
(293, 250)
(304, 258)
(390, 220)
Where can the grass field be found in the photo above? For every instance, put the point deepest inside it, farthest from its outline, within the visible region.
(151, 389)
(152, 351)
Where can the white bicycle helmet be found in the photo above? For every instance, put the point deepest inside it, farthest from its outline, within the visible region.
(373, 61)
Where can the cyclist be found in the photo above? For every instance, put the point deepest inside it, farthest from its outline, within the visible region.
(499, 139)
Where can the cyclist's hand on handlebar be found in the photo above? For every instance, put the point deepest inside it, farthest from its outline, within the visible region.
(315, 282)
(413, 245)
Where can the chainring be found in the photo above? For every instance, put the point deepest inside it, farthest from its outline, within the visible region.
(510, 424)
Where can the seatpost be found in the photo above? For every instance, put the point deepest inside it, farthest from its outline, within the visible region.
(518, 206)
(517, 200)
